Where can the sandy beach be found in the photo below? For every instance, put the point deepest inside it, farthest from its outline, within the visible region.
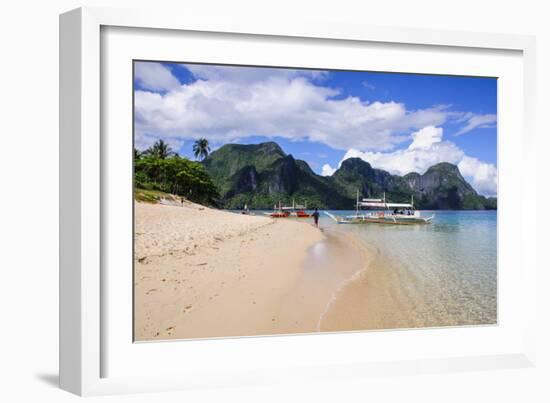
(374, 299)
(202, 272)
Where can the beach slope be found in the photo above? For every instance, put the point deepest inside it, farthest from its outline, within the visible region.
(201, 272)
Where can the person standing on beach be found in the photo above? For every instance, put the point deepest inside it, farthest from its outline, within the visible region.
(315, 216)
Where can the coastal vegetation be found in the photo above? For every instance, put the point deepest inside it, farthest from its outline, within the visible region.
(262, 175)
(160, 169)
(201, 148)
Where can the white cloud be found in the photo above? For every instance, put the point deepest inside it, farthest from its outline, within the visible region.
(327, 170)
(145, 141)
(428, 148)
(155, 76)
(474, 121)
(426, 137)
(245, 74)
(229, 103)
(225, 104)
(484, 176)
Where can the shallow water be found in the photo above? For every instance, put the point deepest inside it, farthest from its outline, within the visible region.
(444, 273)
(329, 265)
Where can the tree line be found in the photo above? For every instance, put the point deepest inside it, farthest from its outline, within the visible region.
(160, 168)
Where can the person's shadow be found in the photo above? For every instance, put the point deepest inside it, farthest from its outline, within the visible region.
(50, 379)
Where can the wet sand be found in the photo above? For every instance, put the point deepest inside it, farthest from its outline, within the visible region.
(388, 295)
(330, 264)
(373, 299)
(202, 273)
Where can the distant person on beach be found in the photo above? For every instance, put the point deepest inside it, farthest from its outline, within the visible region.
(315, 216)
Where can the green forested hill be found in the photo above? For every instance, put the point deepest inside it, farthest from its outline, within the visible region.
(261, 175)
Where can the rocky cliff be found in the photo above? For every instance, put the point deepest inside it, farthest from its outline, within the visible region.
(261, 175)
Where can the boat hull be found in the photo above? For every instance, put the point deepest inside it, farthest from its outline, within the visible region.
(382, 219)
(279, 215)
(285, 214)
(388, 221)
(302, 215)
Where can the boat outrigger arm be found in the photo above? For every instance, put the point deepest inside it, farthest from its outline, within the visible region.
(387, 213)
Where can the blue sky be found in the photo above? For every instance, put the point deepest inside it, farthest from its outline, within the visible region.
(397, 122)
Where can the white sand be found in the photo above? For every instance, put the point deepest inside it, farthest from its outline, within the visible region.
(202, 272)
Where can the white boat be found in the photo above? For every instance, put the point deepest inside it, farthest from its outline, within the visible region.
(386, 213)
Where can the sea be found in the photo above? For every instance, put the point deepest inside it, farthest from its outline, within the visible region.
(446, 269)
(440, 274)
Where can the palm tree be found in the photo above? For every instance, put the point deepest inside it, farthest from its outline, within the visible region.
(160, 150)
(201, 148)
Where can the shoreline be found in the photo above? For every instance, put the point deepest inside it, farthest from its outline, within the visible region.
(388, 295)
(328, 266)
(373, 299)
(206, 273)
(368, 255)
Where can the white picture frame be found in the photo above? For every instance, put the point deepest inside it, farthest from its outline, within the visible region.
(85, 344)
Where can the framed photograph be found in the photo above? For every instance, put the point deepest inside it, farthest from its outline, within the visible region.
(243, 203)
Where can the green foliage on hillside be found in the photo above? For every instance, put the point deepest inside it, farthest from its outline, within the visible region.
(262, 175)
(228, 160)
(176, 175)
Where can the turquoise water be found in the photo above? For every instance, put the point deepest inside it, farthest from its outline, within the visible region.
(447, 270)
(439, 274)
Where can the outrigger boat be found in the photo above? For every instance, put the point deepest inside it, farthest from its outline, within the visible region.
(278, 212)
(299, 210)
(387, 213)
(296, 210)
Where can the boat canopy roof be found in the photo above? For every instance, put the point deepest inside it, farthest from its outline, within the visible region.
(296, 207)
(381, 204)
(373, 200)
